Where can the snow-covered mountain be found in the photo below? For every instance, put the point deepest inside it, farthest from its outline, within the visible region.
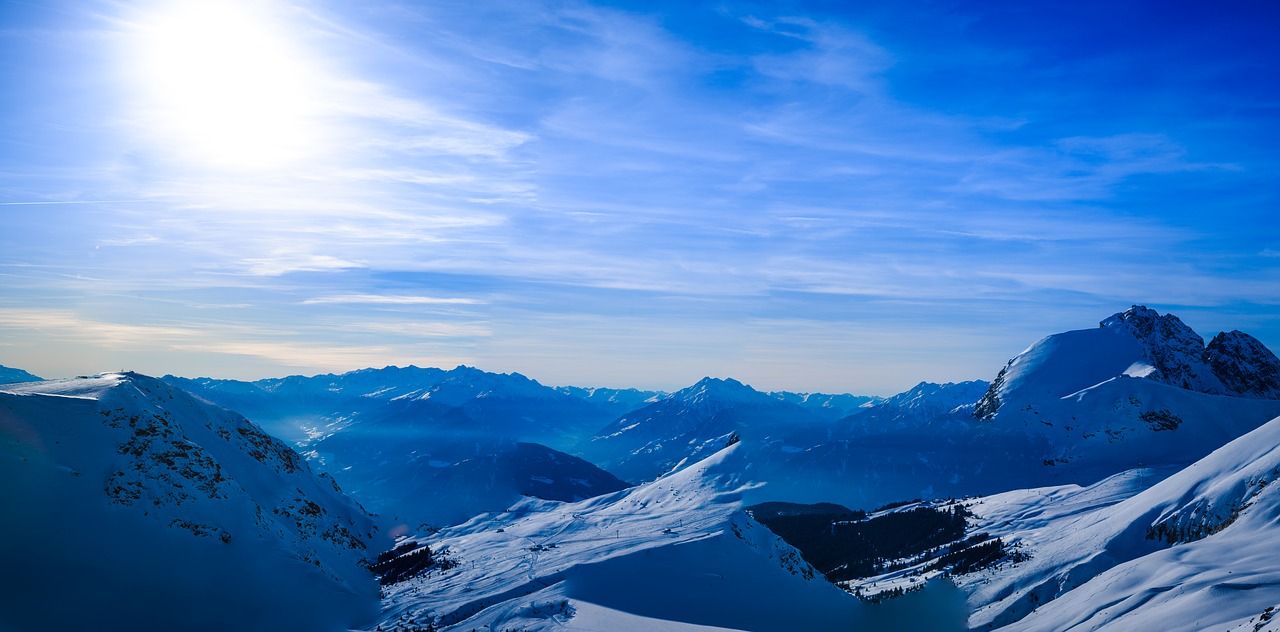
(1075, 407)
(130, 505)
(614, 401)
(506, 405)
(1139, 390)
(826, 405)
(1194, 551)
(9, 375)
(677, 555)
(427, 446)
(920, 406)
(1141, 343)
(690, 424)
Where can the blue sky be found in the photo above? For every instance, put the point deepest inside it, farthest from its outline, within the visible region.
(801, 195)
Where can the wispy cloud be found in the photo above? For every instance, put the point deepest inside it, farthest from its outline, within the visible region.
(382, 299)
(461, 179)
(831, 54)
(160, 346)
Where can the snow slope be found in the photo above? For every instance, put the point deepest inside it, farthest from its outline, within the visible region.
(1136, 391)
(677, 553)
(9, 375)
(130, 505)
(1194, 551)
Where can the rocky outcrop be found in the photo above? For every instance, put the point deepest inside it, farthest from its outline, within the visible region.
(1175, 350)
(1245, 366)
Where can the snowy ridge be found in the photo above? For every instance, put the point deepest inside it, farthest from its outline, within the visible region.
(1174, 350)
(506, 405)
(918, 406)
(615, 401)
(1138, 342)
(689, 425)
(10, 375)
(1193, 551)
(830, 406)
(152, 475)
(677, 553)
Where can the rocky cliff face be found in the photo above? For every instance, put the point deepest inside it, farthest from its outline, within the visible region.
(1173, 349)
(1245, 366)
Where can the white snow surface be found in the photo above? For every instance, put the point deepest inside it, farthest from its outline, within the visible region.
(1062, 364)
(674, 554)
(1194, 551)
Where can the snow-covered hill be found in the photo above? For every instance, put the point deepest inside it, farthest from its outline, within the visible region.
(675, 554)
(1194, 551)
(130, 505)
(10, 375)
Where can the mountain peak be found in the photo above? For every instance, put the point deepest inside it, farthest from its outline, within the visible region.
(716, 382)
(726, 389)
(1144, 323)
(1139, 343)
(1244, 365)
(1175, 350)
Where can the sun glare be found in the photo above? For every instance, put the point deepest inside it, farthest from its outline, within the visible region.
(221, 85)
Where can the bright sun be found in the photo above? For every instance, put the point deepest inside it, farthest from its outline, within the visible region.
(222, 85)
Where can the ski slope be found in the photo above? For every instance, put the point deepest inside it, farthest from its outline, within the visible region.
(677, 553)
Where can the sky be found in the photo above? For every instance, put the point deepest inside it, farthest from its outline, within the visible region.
(809, 196)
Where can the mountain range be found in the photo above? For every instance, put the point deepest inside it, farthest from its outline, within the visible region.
(1118, 477)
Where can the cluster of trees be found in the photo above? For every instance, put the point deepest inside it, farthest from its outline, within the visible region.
(845, 545)
(972, 554)
(1171, 532)
(408, 560)
(844, 549)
